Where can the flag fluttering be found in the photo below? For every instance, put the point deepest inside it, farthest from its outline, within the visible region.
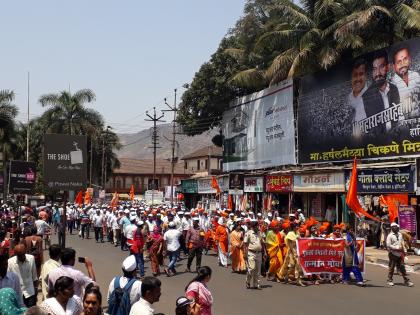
(215, 185)
(79, 198)
(114, 201)
(87, 198)
(351, 198)
(132, 193)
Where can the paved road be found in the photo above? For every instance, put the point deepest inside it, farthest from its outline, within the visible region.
(231, 297)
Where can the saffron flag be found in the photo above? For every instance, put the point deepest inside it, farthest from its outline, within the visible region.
(393, 202)
(215, 185)
(114, 201)
(79, 198)
(87, 198)
(230, 203)
(132, 193)
(351, 198)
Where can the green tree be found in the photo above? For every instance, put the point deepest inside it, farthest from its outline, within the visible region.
(8, 113)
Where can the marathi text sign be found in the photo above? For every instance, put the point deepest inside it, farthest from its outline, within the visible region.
(407, 219)
(254, 184)
(257, 126)
(189, 186)
(328, 182)
(390, 180)
(22, 177)
(279, 183)
(65, 162)
(317, 255)
(342, 113)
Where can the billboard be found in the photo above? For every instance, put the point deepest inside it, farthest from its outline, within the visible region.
(65, 162)
(22, 177)
(366, 108)
(259, 129)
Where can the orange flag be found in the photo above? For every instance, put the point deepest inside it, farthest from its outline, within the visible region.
(114, 201)
(87, 198)
(351, 198)
(392, 202)
(230, 203)
(79, 198)
(132, 193)
(215, 185)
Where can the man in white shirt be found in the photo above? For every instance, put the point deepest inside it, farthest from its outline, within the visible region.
(9, 279)
(24, 266)
(150, 293)
(129, 268)
(406, 80)
(50, 265)
(97, 220)
(172, 240)
(41, 226)
(395, 246)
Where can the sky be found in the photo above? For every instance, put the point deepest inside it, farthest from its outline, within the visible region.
(131, 53)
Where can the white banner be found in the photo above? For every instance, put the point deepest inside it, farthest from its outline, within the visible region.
(327, 182)
(253, 184)
(259, 130)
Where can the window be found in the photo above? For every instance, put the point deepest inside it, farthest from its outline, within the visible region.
(185, 165)
(198, 165)
(206, 164)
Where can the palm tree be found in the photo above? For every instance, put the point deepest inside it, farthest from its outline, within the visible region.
(67, 113)
(8, 110)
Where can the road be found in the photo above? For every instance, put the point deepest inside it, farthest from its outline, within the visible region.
(231, 297)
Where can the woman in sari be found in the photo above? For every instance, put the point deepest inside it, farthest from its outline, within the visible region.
(198, 291)
(9, 304)
(237, 249)
(155, 241)
(64, 301)
(275, 247)
(222, 241)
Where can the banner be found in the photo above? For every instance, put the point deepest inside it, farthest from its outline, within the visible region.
(407, 219)
(22, 177)
(253, 184)
(189, 186)
(258, 130)
(279, 183)
(387, 180)
(367, 108)
(236, 181)
(318, 255)
(65, 162)
(326, 182)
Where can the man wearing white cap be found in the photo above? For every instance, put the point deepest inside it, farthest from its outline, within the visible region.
(397, 251)
(128, 283)
(172, 240)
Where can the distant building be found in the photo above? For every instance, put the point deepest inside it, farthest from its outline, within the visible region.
(205, 161)
(140, 174)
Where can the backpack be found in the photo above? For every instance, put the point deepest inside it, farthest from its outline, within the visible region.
(119, 302)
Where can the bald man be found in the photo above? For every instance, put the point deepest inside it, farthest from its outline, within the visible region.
(24, 266)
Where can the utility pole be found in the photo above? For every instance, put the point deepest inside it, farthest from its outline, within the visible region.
(173, 159)
(27, 128)
(155, 142)
(104, 139)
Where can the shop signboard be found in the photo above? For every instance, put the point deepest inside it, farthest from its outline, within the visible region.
(204, 186)
(257, 126)
(407, 219)
(417, 177)
(253, 184)
(65, 162)
(342, 115)
(22, 177)
(236, 181)
(189, 186)
(317, 255)
(384, 180)
(153, 196)
(279, 183)
(326, 182)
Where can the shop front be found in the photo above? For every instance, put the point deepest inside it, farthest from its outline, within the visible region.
(189, 189)
(318, 195)
(254, 192)
(278, 196)
(208, 197)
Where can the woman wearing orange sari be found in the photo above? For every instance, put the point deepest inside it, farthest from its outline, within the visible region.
(222, 241)
(237, 249)
(275, 248)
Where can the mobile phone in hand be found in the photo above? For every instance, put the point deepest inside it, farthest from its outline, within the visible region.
(82, 260)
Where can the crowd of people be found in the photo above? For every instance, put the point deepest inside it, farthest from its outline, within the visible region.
(246, 242)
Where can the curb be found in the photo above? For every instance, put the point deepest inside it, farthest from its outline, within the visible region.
(380, 261)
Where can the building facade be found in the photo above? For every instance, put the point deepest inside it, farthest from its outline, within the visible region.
(204, 161)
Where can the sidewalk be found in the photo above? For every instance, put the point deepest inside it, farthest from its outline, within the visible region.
(380, 256)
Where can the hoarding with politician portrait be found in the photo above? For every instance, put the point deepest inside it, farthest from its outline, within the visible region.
(366, 108)
(258, 130)
(65, 162)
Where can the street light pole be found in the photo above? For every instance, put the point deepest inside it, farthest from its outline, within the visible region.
(173, 159)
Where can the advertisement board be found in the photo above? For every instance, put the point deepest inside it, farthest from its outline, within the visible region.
(189, 186)
(279, 183)
(259, 129)
(325, 182)
(317, 255)
(236, 181)
(384, 180)
(253, 184)
(65, 162)
(407, 220)
(22, 177)
(366, 108)
(154, 196)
